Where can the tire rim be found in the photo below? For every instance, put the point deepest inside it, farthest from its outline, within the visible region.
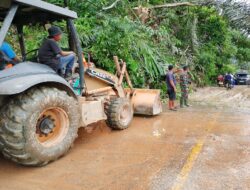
(125, 114)
(52, 126)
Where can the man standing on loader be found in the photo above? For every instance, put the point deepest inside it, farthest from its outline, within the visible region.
(52, 55)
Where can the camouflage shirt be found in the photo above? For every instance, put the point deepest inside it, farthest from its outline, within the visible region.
(184, 84)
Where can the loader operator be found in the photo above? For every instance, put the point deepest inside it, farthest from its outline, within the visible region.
(52, 55)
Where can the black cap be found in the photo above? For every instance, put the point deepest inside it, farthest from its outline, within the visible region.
(170, 67)
(185, 67)
(54, 31)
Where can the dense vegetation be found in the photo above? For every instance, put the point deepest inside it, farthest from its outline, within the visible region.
(152, 39)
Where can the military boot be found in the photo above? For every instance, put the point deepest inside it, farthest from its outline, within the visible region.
(186, 102)
(181, 102)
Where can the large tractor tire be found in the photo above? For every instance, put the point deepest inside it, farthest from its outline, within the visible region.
(39, 126)
(119, 113)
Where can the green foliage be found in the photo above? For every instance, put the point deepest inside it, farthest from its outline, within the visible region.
(129, 41)
(217, 49)
(194, 36)
(242, 57)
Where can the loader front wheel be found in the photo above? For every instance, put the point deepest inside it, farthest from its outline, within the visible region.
(119, 113)
(39, 126)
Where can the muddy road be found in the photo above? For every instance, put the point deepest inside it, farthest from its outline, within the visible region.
(206, 146)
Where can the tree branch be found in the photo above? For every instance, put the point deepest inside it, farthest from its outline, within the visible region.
(111, 6)
(172, 5)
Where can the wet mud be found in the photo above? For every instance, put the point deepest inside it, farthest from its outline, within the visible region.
(206, 146)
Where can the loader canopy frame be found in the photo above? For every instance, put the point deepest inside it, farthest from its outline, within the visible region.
(25, 12)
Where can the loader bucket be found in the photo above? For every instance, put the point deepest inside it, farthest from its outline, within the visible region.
(146, 101)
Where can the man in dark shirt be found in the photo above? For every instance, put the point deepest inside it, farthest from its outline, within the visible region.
(171, 87)
(52, 55)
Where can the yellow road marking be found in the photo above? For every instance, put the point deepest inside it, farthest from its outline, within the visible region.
(186, 169)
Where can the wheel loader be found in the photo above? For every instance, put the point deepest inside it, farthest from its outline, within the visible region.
(41, 112)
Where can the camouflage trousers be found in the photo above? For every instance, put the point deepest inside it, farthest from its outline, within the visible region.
(184, 97)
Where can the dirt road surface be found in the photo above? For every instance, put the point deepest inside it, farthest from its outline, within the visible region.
(205, 147)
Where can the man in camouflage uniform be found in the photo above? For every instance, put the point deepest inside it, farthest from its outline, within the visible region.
(184, 82)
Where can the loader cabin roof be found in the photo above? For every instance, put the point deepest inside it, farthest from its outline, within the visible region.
(35, 11)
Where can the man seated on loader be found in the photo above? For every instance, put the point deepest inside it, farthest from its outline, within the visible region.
(8, 57)
(52, 55)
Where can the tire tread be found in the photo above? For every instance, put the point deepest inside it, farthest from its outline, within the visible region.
(12, 140)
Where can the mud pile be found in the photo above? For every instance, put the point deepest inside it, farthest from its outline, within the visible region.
(238, 97)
